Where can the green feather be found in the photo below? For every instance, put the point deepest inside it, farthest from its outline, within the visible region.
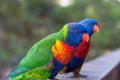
(65, 29)
(31, 65)
(41, 52)
(34, 74)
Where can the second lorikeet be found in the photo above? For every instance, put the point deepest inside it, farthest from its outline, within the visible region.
(76, 63)
(48, 56)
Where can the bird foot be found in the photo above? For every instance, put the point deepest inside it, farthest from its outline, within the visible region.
(80, 75)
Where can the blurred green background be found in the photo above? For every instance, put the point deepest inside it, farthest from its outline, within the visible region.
(24, 22)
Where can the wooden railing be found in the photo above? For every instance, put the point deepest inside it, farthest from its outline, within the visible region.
(106, 67)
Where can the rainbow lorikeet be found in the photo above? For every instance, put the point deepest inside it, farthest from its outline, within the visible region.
(48, 56)
(75, 64)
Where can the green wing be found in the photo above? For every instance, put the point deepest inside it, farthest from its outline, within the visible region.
(40, 53)
(37, 56)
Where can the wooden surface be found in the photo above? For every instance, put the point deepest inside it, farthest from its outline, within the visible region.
(106, 67)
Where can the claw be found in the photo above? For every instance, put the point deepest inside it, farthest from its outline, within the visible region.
(79, 75)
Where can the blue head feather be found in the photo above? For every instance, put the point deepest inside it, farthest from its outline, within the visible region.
(89, 23)
(74, 35)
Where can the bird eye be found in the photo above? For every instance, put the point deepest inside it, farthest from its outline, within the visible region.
(89, 24)
(77, 31)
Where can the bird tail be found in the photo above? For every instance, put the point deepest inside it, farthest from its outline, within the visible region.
(16, 71)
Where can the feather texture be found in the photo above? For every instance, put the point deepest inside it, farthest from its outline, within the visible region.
(38, 55)
(50, 55)
(79, 57)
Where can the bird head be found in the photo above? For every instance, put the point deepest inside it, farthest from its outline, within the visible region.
(91, 25)
(75, 33)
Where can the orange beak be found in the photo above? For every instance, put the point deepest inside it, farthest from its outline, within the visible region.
(86, 37)
(96, 28)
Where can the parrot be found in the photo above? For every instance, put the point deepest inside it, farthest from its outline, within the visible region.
(49, 55)
(91, 25)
